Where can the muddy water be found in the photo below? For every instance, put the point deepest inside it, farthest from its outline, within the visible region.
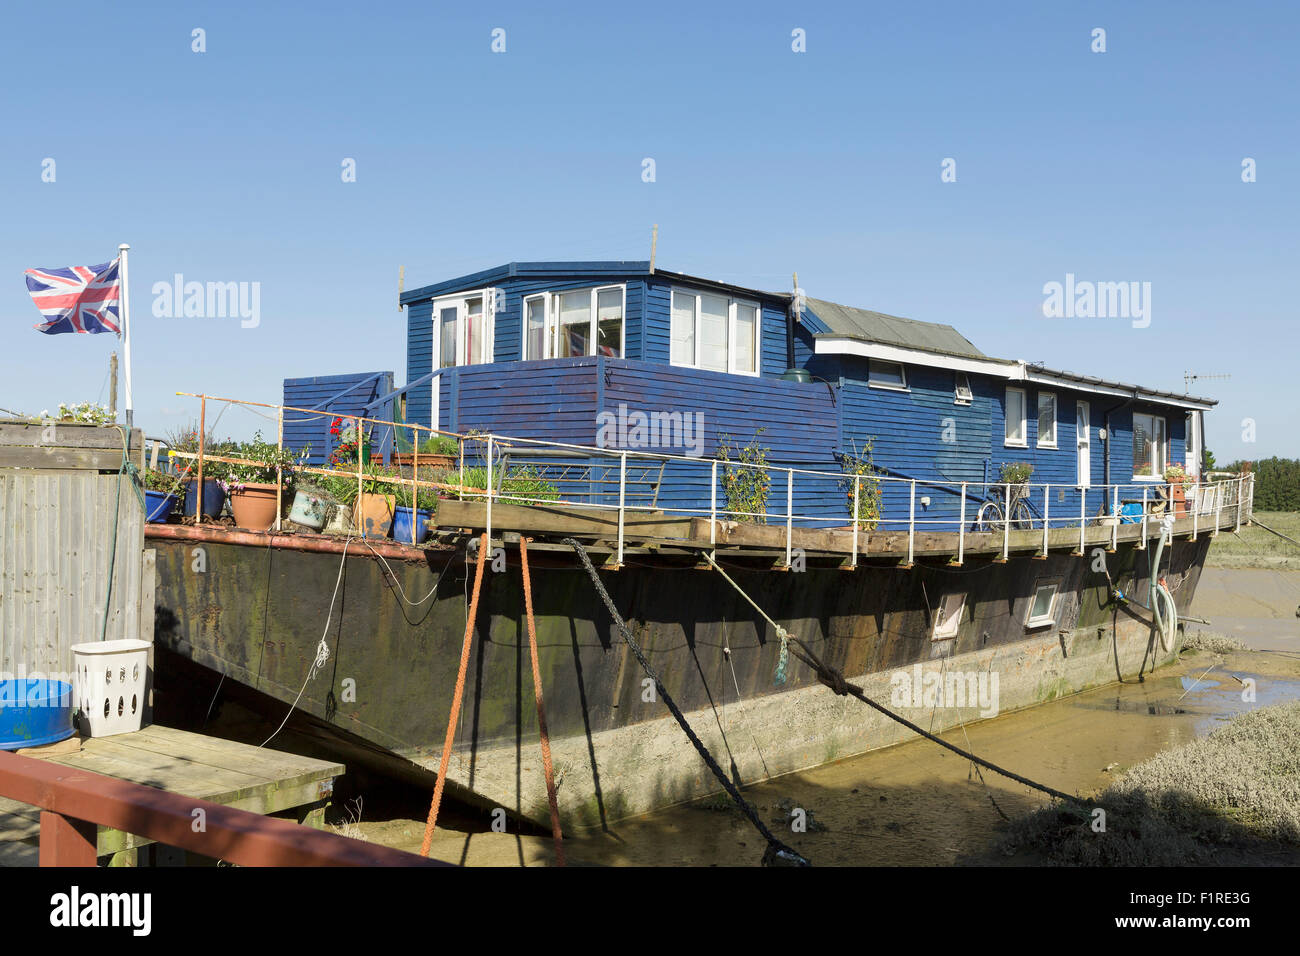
(1260, 608)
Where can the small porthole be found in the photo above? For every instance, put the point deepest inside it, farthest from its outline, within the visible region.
(133, 703)
(121, 706)
(106, 706)
(135, 672)
(108, 676)
(121, 675)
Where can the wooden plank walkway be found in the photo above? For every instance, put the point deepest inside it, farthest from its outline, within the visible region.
(222, 771)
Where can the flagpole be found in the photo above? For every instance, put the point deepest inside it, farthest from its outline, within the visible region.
(126, 330)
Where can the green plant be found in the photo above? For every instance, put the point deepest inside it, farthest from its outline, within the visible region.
(525, 482)
(84, 413)
(862, 482)
(269, 462)
(1016, 472)
(1177, 475)
(440, 445)
(163, 481)
(744, 478)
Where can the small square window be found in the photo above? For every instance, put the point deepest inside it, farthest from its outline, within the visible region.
(1042, 609)
(1015, 418)
(1046, 420)
(886, 375)
(962, 394)
(948, 617)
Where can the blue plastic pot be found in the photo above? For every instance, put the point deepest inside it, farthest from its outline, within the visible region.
(158, 506)
(214, 497)
(402, 525)
(34, 712)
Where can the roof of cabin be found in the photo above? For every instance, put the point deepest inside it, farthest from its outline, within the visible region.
(893, 329)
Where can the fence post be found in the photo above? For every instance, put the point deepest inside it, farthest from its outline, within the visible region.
(489, 492)
(1083, 517)
(415, 482)
(1218, 508)
(203, 434)
(1114, 531)
(911, 523)
(961, 527)
(279, 469)
(622, 487)
(713, 512)
(358, 511)
(1143, 545)
(1241, 492)
(1047, 503)
(857, 507)
(1196, 506)
(789, 515)
(1006, 520)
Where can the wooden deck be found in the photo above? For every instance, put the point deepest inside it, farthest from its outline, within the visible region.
(666, 534)
(222, 771)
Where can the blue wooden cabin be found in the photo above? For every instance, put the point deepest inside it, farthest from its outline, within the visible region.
(541, 349)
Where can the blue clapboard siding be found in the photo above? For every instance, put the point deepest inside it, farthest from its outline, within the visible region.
(301, 430)
(419, 359)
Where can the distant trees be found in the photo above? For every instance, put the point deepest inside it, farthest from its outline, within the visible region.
(1277, 483)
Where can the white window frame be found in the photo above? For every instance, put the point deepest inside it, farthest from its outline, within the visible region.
(732, 303)
(551, 320)
(945, 628)
(1048, 619)
(961, 390)
(1164, 449)
(1006, 419)
(460, 301)
(889, 386)
(1056, 421)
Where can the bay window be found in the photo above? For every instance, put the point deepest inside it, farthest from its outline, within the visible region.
(574, 324)
(462, 333)
(714, 332)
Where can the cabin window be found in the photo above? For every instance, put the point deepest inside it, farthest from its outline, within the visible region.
(714, 332)
(1046, 420)
(962, 394)
(1015, 417)
(1150, 446)
(1042, 609)
(886, 375)
(574, 324)
(948, 617)
(463, 330)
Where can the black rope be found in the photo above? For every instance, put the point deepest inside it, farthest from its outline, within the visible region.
(777, 852)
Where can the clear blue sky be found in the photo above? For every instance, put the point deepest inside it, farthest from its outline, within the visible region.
(225, 166)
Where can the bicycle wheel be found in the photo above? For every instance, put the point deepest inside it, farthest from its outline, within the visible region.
(989, 517)
(1022, 516)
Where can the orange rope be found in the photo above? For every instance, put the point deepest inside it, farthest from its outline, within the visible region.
(541, 709)
(455, 700)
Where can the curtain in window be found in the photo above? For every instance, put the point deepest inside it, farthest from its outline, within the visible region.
(609, 322)
(575, 323)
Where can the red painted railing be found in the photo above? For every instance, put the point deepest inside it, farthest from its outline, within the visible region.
(74, 802)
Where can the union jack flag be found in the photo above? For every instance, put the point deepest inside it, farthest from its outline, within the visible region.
(76, 298)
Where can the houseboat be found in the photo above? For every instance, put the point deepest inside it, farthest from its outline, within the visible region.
(739, 465)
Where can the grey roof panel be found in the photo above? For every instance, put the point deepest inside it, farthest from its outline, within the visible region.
(893, 330)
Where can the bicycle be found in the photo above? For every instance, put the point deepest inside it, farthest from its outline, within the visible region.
(990, 516)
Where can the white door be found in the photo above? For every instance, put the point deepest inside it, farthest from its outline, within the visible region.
(1084, 442)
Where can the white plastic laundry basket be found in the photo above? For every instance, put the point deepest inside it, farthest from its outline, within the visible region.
(109, 685)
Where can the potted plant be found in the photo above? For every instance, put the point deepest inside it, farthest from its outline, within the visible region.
(310, 506)
(253, 488)
(350, 440)
(411, 526)
(1178, 479)
(187, 469)
(372, 512)
(439, 451)
(162, 490)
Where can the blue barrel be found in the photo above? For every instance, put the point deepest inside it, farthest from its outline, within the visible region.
(402, 524)
(214, 497)
(34, 712)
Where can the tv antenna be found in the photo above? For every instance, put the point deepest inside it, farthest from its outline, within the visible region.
(1190, 377)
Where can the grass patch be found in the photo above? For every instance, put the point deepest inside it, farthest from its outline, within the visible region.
(1254, 547)
(1237, 789)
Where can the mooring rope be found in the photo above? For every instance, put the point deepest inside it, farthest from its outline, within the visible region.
(777, 852)
(833, 679)
(459, 692)
(547, 767)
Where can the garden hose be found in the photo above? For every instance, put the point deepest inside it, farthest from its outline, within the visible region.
(1166, 620)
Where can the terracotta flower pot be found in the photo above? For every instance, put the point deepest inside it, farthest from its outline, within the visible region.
(253, 505)
(373, 514)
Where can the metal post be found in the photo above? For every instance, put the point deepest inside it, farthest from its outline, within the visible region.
(713, 512)
(911, 523)
(489, 491)
(415, 482)
(1083, 517)
(622, 490)
(1218, 508)
(857, 509)
(1046, 521)
(1143, 545)
(1196, 506)
(1241, 491)
(279, 469)
(358, 511)
(961, 527)
(789, 515)
(203, 428)
(1006, 520)
(1114, 531)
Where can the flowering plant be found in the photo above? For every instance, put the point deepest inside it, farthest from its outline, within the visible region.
(83, 413)
(347, 443)
(266, 458)
(1176, 474)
